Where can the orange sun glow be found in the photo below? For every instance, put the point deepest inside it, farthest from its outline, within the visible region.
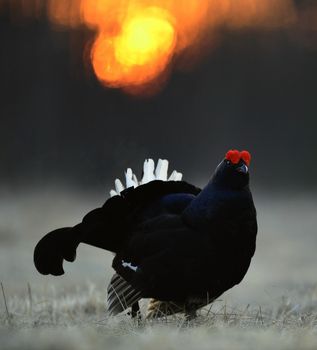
(136, 40)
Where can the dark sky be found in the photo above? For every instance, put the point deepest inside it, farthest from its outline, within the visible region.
(256, 90)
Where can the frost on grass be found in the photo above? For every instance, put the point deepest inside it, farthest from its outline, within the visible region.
(78, 320)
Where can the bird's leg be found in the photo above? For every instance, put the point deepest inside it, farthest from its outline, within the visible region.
(190, 312)
(135, 311)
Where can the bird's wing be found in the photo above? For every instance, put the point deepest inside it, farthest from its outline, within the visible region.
(109, 226)
(121, 295)
(106, 227)
(142, 195)
(167, 262)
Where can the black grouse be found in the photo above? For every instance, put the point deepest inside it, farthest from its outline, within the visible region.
(173, 242)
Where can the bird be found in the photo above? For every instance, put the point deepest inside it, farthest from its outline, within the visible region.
(174, 243)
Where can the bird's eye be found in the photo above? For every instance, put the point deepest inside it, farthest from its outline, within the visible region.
(228, 162)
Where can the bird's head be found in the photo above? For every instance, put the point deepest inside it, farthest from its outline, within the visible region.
(233, 171)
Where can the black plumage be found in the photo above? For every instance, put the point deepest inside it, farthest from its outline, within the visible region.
(172, 241)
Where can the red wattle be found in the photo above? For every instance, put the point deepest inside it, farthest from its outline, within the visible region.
(234, 156)
(246, 157)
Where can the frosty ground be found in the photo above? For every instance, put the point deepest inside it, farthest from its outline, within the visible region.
(275, 306)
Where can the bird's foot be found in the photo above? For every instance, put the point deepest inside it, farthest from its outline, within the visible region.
(190, 315)
(136, 314)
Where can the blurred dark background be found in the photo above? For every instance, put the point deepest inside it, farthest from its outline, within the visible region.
(255, 90)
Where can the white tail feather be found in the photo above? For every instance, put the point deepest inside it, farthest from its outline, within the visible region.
(129, 179)
(113, 193)
(161, 170)
(173, 176)
(179, 176)
(118, 185)
(148, 171)
(149, 174)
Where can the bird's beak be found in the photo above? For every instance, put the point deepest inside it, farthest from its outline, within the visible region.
(243, 169)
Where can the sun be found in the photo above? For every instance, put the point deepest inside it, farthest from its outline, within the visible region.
(144, 39)
(139, 51)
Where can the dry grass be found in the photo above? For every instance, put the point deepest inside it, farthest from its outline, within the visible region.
(77, 320)
(274, 307)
